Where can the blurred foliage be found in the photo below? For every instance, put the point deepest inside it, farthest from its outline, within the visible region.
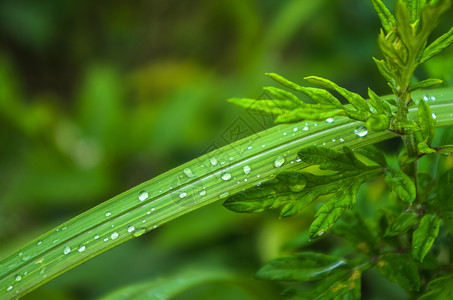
(97, 98)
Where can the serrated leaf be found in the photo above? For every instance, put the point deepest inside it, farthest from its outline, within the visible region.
(427, 83)
(329, 159)
(401, 184)
(402, 224)
(440, 289)
(377, 103)
(331, 211)
(400, 268)
(274, 107)
(372, 153)
(355, 231)
(311, 113)
(438, 46)
(425, 149)
(425, 235)
(304, 266)
(378, 122)
(387, 73)
(319, 96)
(426, 121)
(355, 99)
(387, 19)
(392, 56)
(403, 24)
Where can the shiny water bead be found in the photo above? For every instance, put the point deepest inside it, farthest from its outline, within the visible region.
(66, 250)
(143, 195)
(279, 161)
(247, 170)
(361, 131)
(226, 176)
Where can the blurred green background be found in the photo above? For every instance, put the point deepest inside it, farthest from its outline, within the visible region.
(97, 97)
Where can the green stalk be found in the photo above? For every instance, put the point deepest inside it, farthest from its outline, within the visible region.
(193, 185)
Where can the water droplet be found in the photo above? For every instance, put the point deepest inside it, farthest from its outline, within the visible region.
(139, 232)
(298, 159)
(321, 232)
(434, 116)
(106, 239)
(66, 250)
(295, 129)
(130, 229)
(182, 195)
(203, 192)
(262, 146)
(18, 277)
(152, 209)
(214, 161)
(9, 288)
(361, 131)
(143, 195)
(82, 248)
(96, 236)
(279, 161)
(334, 140)
(224, 195)
(188, 172)
(306, 128)
(284, 133)
(341, 140)
(108, 214)
(247, 170)
(226, 176)
(114, 235)
(64, 228)
(425, 98)
(39, 243)
(148, 213)
(249, 147)
(329, 120)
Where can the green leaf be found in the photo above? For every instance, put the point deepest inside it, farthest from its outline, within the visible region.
(387, 19)
(171, 286)
(425, 149)
(341, 285)
(402, 224)
(355, 99)
(440, 289)
(275, 107)
(374, 154)
(401, 184)
(355, 231)
(319, 96)
(443, 201)
(409, 126)
(438, 46)
(427, 83)
(445, 149)
(425, 235)
(329, 159)
(377, 103)
(311, 113)
(400, 268)
(304, 266)
(378, 122)
(283, 95)
(403, 24)
(387, 73)
(426, 121)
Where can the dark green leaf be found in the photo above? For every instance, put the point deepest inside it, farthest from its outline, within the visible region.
(425, 235)
(440, 289)
(426, 121)
(317, 95)
(400, 268)
(377, 103)
(438, 46)
(443, 202)
(401, 185)
(353, 229)
(275, 107)
(425, 84)
(355, 99)
(372, 153)
(304, 266)
(387, 19)
(329, 159)
(402, 223)
(378, 122)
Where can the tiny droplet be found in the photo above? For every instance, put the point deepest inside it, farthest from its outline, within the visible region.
(82, 248)
(114, 235)
(182, 195)
(279, 161)
(226, 176)
(247, 170)
(214, 161)
(143, 195)
(188, 172)
(130, 229)
(66, 250)
(361, 131)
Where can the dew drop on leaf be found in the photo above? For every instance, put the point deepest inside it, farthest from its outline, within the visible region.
(82, 248)
(361, 131)
(295, 129)
(18, 277)
(188, 172)
(130, 229)
(39, 243)
(114, 235)
(224, 195)
(96, 236)
(9, 288)
(321, 232)
(306, 128)
(329, 120)
(434, 116)
(279, 161)
(203, 192)
(247, 170)
(226, 176)
(143, 195)
(341, 140)
(182, 195)
(214, 161)
(108, 214)
(139, 232)
(66, 250)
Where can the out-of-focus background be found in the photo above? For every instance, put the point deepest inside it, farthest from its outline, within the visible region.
(98, 97)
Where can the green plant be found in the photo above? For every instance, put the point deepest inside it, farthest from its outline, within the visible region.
(380, 241)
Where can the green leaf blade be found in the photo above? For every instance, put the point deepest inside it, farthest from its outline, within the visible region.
(438, 46)
(387, 19)
(401, 185)
(426, 121)
(400, 268)
(425, 235)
